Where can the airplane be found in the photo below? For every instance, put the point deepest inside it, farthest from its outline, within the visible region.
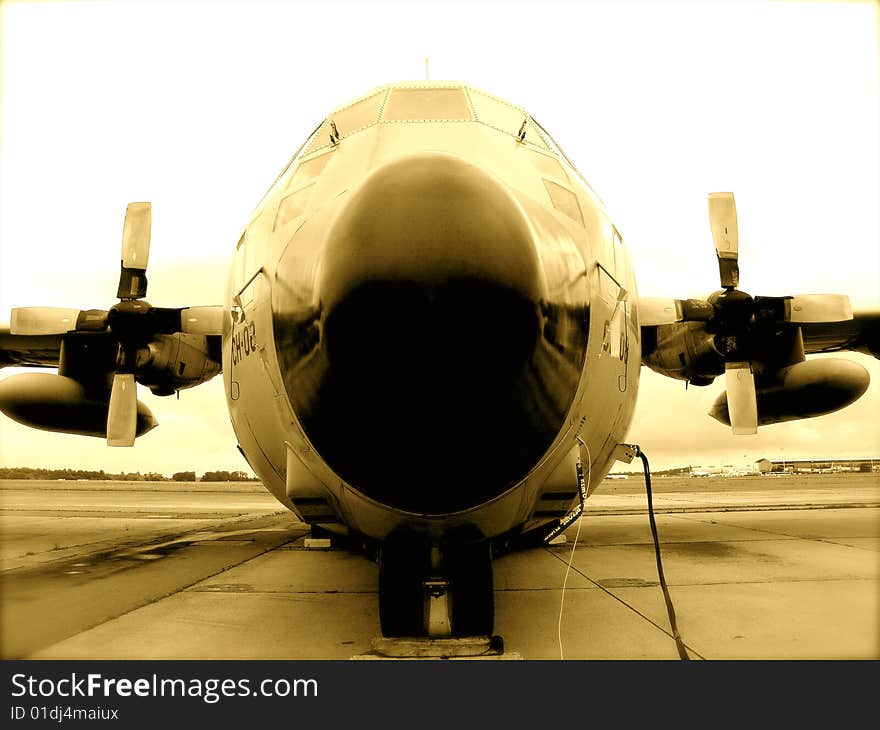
(728, 470)
(431, 331)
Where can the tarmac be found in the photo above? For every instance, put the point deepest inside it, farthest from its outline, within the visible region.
(757, 568)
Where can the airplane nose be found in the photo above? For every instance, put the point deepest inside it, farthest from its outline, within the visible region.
(429, 219)
(419, 391)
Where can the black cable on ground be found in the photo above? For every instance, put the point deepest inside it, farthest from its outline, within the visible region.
(682, 652)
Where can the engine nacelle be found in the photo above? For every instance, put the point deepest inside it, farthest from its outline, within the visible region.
(804, 390)
(174, 362)
(56, 403)
(682, 351)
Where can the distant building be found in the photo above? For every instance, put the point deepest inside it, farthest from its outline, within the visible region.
(818, 466)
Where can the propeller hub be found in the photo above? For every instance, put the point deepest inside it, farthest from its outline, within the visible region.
(732, 347)
(734, 313)
(128, 320)
(733, 309)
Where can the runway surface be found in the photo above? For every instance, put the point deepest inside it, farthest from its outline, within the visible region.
(758, 568)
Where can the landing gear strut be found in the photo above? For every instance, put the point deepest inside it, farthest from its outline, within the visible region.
(435, 590)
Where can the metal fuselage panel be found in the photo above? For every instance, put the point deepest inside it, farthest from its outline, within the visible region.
(425, 317)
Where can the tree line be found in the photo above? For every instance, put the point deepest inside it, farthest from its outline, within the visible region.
(27, 472)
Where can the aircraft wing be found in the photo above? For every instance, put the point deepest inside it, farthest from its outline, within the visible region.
(861, 334)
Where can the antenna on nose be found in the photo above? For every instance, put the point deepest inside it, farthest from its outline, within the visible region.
(426, 68)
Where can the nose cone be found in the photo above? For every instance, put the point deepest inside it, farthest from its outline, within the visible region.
(426, 220)
(419, 388)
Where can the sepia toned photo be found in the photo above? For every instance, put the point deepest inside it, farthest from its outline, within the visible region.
(467, 331)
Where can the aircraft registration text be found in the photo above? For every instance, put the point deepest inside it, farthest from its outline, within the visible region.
(243, 343)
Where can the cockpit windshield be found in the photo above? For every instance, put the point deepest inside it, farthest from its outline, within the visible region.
(424, 104)
(554, 145)
(428, 102)
(359, 115)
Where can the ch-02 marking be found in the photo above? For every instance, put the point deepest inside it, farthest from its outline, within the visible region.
(244, 342)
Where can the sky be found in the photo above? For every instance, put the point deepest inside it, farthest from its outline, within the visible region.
(196, 106)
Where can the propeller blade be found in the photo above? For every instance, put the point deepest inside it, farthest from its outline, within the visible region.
(122, 414)
(42, 320)
(202, 320)
(656, 310)
(722, 219)
(135, 251)
(742, 400)
(190, 320)
(819, 308)
(136, 236)
(804, 308)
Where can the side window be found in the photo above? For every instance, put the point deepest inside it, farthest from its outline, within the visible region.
(548, 166)
(292, 206)
(564, 201)
(308, 171)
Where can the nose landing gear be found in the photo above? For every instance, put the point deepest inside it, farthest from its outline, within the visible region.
(435, 591)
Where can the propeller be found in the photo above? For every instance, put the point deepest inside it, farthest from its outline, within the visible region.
(122, 414)
(722, 219)
(133, 322)
(736, 319)
(742, 401)
(43, 320)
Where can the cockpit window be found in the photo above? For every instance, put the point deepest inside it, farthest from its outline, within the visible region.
(496, 113)
(554, 146)
(534, 136)
(505, 117)
(424, 104)
(321, 138)
(308, 171)
(564, 200)
(292, 206)
(359, 115)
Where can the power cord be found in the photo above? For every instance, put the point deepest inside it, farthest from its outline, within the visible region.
(670, 610)
(577, 513)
